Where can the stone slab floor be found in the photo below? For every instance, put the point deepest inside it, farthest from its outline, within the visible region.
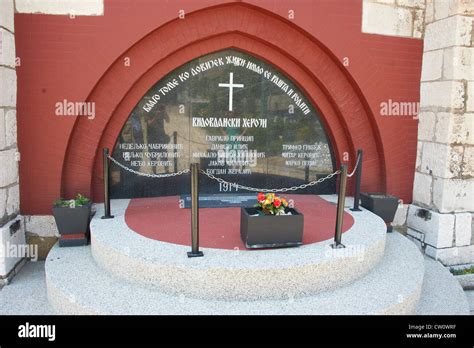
(470, 298)
(26, 294)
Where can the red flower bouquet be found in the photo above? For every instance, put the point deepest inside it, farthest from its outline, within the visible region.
(271, 204)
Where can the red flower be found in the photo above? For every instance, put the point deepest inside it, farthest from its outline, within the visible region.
(276, 202)
(261, 197)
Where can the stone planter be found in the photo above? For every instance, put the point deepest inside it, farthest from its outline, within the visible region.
(270, 231)
(382, 205)
(73, 224)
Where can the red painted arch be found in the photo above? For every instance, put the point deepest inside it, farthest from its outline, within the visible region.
(344, 111)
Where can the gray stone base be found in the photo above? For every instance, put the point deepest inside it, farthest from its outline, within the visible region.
(392, 287)
(26, 295)
(6, 279)
(446, 237)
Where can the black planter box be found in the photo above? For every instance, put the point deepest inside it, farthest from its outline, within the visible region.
(73, 224)
(380, 204)
(271, 231)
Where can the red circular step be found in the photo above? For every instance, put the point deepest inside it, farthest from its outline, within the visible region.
(162, 219)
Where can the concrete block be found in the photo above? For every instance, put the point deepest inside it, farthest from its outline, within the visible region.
(467, 169)
(18, 267)
(13, 201)
(441, 9)
(438, 229)
(7, 11)
(7, 48)
(384, 19)
(445, 94)
(11, 242)
(432, 66)
(10, 128)
(3, 203)
(470, 96)
(452, 256)
(454, 129)
(441, 160)
(426, 126)
(463, 229)
(429, 11)
(448, 32)
(411, 3)
(401, 215)
(419, 151)
(41, 225)
(422, 188)
(55, 7)
(415, 235)
(419, 24)
(7, 87)
(453, 195)
(458, 63)
(9, 172)
(3, 140)
(461, 7)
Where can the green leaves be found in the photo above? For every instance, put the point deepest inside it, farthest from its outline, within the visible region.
(78, 201)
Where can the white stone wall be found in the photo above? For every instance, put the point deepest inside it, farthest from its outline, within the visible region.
(10, 254)
(400, 218)
(9, 180)
(444, 178)
(41, 225)
(61, 7)
(403, 18)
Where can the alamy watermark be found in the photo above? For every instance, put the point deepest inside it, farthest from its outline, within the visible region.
(69, 108)
(232, 157)
(28, 330)
(398, 108)
(29, 251)
(356, 251)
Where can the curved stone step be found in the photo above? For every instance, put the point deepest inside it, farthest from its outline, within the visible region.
(441, 293)
(76, 285)
(236, 274)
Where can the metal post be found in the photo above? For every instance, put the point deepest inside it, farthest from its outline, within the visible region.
(340, 208)
(195, 212)
(106, 185)
(358, 177)
(306, 174)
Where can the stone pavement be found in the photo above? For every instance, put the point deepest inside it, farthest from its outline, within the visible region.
(470, 299)
(26, 294)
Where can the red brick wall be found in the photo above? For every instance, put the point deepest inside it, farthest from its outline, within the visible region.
(82, 59)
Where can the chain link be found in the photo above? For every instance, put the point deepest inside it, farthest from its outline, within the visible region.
(222, 181)
(353, 171)
(184, 171)
(285, 189)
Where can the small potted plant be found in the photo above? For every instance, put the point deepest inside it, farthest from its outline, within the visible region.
(381, 204)
(72, 219)
(271, 223)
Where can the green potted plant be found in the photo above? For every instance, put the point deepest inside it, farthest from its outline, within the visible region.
(72, 218)
(271, 223)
